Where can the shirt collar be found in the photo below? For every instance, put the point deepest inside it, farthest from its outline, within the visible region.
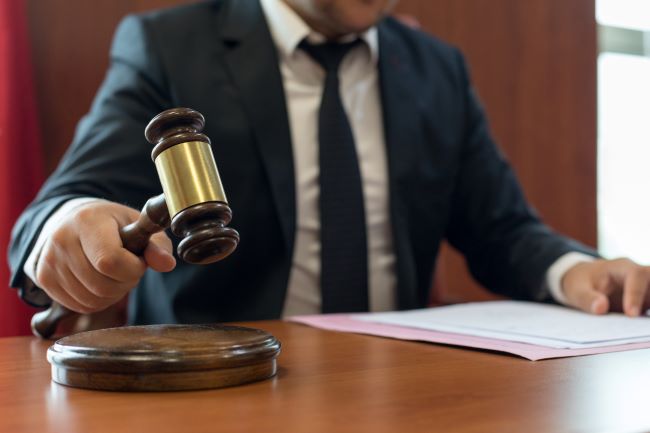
(288, 30)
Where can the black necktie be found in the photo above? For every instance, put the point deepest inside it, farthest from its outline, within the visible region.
(344, 267)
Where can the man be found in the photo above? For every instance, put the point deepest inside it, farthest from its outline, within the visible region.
(349, 145)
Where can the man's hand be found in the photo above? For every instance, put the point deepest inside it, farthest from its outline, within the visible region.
(83, 265)
(608, 285)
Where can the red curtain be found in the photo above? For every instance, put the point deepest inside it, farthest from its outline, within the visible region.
(21, 165)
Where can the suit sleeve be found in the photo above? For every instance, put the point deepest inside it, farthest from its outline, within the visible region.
(109, 157)
(507, 248)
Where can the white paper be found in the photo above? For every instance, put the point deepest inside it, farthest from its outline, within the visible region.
(527, 322)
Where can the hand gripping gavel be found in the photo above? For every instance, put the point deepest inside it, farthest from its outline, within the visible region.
(193, 201)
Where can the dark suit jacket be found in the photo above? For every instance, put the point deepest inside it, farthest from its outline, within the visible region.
(447, 177)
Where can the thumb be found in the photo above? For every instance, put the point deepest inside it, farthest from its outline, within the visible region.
(587, 299)
(158, 254)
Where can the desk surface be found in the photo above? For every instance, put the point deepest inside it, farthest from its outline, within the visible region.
(333, 382)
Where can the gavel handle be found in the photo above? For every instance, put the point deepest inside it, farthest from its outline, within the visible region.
(135, 238)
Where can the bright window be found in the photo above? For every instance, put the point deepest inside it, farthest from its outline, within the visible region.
(624, 129)
(629, 14)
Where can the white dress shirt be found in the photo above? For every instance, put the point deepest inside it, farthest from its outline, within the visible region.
(303, 87)
(303, 82)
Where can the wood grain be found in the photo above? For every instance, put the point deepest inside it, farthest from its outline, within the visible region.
(71, 41)
(333, 382)
(164, 358)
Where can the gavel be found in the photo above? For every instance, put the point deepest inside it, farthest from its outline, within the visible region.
(193, 203)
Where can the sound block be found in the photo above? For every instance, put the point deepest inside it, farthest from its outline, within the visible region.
(164, 357)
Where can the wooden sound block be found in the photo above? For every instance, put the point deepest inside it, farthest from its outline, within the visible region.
(164, 357)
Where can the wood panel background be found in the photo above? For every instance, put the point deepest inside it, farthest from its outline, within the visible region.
(533, 62)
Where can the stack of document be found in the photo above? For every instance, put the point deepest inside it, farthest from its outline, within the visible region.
(526, 322)
(531, 330)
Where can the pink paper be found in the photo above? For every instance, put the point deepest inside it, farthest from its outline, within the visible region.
(344, 323)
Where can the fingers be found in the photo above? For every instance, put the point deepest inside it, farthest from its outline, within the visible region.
(630, 279)
(635, 289)
(46, 279)
(96, 282)
(597, 286)
(158, 254)
(587, 299)
(68, 276)
(88, 300)
(83, 264)
(584, 288)
(101, 244)
(604, 285)
(599, 304)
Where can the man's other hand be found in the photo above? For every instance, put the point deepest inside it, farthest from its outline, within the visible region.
(602, 286)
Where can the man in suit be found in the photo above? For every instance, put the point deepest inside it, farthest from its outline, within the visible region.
(349, 145)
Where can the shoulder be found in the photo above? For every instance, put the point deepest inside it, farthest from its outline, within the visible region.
(426, 53)
(417, 39)
(178, 22)
(184, 15)
(170, 32)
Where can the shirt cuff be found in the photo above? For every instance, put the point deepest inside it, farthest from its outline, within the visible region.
(557, 270)
(50, 225)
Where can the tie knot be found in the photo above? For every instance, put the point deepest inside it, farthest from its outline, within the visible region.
(330, 54)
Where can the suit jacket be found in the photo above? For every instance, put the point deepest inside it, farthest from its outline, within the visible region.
(447, 177)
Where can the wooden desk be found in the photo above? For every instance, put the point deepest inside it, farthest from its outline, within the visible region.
(331, 382)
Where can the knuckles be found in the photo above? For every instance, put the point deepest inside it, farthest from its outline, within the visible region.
(87, 309)
(640, 273)
(84, 215)
(90, 306)
(62, 248)
(645, 272)
(97, 292)
(109, 264)
(94, 303)
(106, 291)
(60, 238)
(106, 263)
(44, 274)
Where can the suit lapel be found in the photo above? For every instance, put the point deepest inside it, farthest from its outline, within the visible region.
(252, 61)
(399, 96)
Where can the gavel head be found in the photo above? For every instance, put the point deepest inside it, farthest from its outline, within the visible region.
(195, 198)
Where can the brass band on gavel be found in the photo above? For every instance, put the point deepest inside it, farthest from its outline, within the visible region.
(189, 176)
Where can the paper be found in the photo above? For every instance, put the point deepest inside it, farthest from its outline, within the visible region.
(367, 324)
(524, 322)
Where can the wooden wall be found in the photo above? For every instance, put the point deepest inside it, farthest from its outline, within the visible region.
(533, 62)
(70, 41)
